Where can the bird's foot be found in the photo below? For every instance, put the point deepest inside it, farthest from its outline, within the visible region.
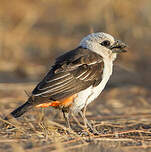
(94, 131)
(88, 132)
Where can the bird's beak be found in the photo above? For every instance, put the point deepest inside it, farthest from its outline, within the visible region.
(118, 47)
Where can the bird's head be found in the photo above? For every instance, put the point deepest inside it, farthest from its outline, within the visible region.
(103, 44)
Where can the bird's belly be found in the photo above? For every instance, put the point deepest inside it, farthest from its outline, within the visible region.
(88, 95)
(82, 99)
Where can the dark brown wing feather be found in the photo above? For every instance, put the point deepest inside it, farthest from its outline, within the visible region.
(73, 72)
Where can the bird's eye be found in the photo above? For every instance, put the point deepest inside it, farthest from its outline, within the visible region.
(105, 43)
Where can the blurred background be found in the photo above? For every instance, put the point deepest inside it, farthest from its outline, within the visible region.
(33, 33)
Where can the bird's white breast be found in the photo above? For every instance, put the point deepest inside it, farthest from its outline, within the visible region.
(88, 95)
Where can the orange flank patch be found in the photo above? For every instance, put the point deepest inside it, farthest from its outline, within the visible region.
(44, 105)
(64, 102)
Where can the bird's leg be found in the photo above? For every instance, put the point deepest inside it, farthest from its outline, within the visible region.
(87, 123)
(66, 117)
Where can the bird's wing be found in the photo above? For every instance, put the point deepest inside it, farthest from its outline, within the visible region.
(73, 72)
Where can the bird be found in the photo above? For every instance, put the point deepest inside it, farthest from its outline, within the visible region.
(76, 78)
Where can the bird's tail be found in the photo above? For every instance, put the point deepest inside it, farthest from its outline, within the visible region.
(21, 109)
